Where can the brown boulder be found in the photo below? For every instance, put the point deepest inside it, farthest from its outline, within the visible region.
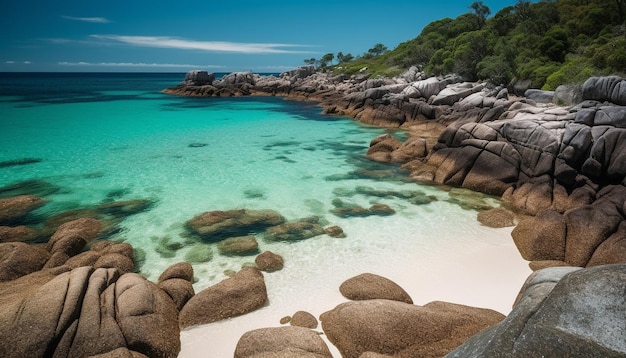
(86, 312)
(19, 233)
(497, 218)
(368, 286)
(269, 261)
(179, 290)
(381, 148)
(335, 231)
(114, 260)
(541, 237)
(71, 237)
(18, 259)
(294, 231)
(214, 225)
(281, 342)
(304, 319)
(15, 208)
(234, 296)
(401, 329)
(182, 270)
(243, 245)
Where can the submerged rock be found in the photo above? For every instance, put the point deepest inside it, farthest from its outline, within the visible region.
(269, 261)
(294, 231)
(21, 161)
(16, 208)
(244, 245)
(215, 225)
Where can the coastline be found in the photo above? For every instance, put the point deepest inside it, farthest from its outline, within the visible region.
(485, 273)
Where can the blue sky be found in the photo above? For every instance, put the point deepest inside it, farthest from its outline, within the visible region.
(219, 36)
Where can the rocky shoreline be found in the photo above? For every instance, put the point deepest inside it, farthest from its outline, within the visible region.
(561, 170)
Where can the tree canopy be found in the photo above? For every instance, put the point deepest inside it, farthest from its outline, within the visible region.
(549, 42)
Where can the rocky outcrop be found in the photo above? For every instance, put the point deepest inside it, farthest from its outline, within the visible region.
(561, 312)
(14, 209)
(18, 259)
(368, 286)
(403, 330)
(281, 342)
(234, 296)
(86, 312)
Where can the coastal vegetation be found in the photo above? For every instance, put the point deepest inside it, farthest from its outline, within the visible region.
(547, 42)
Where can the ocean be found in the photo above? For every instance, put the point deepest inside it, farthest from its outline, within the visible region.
(96, 138)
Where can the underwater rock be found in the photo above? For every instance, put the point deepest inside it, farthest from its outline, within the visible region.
(234, 296)
(214, 225)
(199, 253)
(125, 208)
(244, 245)
(269, 262)
(335, 231)
(16, 162)
(34, 187)
(295, 231)
(19, 233)
(14, 209)
(368, 286)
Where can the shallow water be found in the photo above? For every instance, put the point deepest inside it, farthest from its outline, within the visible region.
(104, 137)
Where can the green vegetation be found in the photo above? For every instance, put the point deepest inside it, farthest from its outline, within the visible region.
(548, 42)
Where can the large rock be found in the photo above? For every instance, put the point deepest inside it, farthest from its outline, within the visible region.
(18, 259)
(561, 312)
(368, 286)
(612, 89)
(234, 296)
(294, 231)
(198, 78)
(86, 312)
(269, 261)
(15, 208)
(216, 225)
(281, 342)
(245, 245)
(70, 239)
(18, 233)
(397, 328)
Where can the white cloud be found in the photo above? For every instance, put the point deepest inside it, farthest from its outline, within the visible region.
(135, 64)
(212, 46)
(97, 20)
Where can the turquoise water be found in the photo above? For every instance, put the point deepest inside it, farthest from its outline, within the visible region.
(105, 137)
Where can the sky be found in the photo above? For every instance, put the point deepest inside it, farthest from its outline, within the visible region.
(217, 36)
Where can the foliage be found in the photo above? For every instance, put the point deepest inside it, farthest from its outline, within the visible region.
(547, 41)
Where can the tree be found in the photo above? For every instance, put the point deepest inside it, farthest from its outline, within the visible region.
(311, 61)
(481, 11)
(344, 58)
(326, 59)
(377, 50)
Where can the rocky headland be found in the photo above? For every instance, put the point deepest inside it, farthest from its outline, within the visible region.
(560, 170)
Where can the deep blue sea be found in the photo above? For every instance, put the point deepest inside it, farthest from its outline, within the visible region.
(102, 137)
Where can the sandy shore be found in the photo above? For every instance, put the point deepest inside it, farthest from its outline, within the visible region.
(484, 271)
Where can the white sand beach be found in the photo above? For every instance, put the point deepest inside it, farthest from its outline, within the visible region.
(484, 270)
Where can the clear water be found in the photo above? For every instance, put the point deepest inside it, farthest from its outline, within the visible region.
(102, 137)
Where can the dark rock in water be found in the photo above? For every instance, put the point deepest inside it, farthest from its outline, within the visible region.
(52, 223)
(234, 296)
(34, 187)
(199, 253)
(197, 145)
(560, 312)
(401, 329)
(18, 259)
(14, 209)
(269, 261)
(166, 246)
(18, 233)
(16, 162)
(126, 207)
(86, 312)
(215, 225)
(368, 286)
(343, 209)
(335, 231)
(282, 342)
(304, 319)
(294, 231)
(244, 245)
